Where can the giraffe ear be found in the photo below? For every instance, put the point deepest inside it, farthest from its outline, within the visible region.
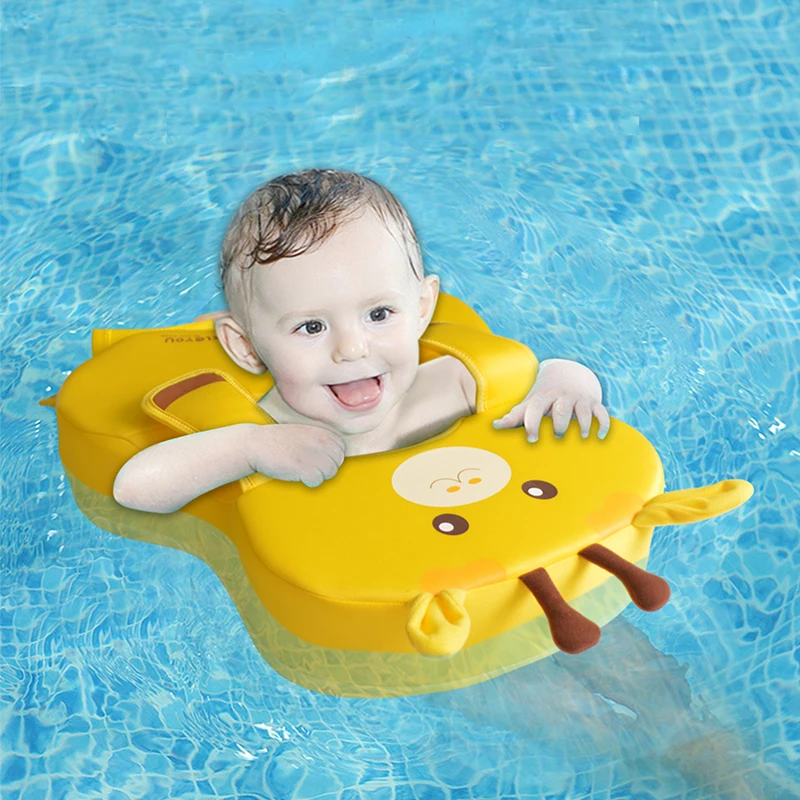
(438, 624)
(691, 505)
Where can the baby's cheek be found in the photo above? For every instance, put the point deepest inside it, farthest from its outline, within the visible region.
(292, 372)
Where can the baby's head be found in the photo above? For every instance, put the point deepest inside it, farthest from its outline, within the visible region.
(324, 281)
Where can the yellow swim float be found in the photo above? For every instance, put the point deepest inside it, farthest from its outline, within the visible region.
(415, 570)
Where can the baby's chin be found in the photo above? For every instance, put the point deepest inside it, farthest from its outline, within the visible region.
(360, 424)
(380, 421)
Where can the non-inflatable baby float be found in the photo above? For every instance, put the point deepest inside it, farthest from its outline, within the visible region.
(415, 570)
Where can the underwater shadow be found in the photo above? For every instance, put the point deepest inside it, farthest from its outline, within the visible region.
(621, 707)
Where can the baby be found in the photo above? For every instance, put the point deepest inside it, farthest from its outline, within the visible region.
(325, 287)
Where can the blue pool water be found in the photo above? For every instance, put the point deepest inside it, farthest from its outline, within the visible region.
(615, 183)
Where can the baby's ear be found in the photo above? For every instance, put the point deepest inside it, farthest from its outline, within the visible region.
(428, 295)
(237, 345)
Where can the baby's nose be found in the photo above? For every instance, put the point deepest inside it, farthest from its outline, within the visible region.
(351, 345)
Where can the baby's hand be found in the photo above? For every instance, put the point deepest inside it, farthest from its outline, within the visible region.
(563, 389)
(297, 453)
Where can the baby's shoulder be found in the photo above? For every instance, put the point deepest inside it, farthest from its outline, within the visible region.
(447, 377)
(436, 400)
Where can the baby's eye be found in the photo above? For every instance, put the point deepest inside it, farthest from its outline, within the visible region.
(314, 323)
(383, 312)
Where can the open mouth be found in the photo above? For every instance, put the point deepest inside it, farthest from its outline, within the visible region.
(360, 395)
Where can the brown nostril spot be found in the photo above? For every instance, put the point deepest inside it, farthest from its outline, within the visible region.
(539, 490)
(450, 524)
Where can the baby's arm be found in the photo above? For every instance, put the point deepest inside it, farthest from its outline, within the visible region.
(166, 476)
(562, 388)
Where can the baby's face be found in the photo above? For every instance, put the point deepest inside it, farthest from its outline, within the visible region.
(338, 327)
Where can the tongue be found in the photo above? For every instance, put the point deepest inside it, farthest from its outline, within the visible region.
(356, 392)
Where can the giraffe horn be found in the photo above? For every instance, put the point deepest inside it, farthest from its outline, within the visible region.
(648, 591)
(571, 631)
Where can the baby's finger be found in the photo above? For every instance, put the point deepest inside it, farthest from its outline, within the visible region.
(561, 412)
(512, 419)
(321, 464)
(316, 476)
(332, 466)
(600, 412)
(583, 413)
(332, 444)
(337, 451)
(535, 409)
